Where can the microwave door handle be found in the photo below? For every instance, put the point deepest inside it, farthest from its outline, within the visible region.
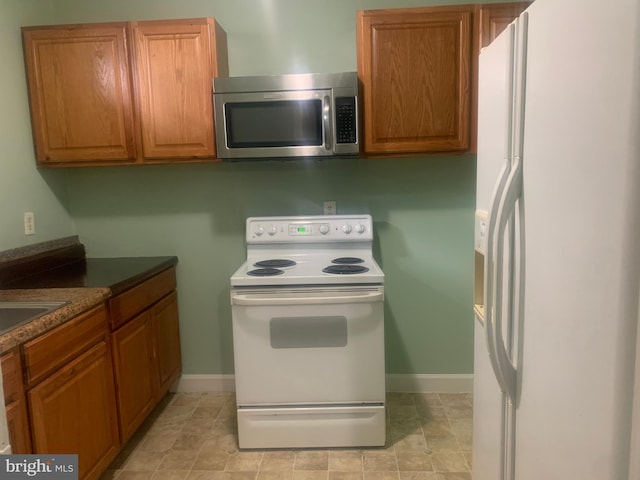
(326, 122)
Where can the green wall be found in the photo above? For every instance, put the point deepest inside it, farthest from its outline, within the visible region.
(423, 218)
(422, 207)
(22, 188)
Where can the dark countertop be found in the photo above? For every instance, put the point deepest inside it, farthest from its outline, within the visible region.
(116, 274)
(78, 300)
(62, 273)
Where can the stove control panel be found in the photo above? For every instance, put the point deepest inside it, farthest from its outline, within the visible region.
(321, 228)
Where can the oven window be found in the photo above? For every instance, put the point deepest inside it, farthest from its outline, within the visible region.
(308, 332)
(281, 123)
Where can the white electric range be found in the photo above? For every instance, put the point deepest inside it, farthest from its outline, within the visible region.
(308, 334)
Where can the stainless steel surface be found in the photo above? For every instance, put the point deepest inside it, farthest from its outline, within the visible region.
(276, 83)
(328, 88)
(14, 314)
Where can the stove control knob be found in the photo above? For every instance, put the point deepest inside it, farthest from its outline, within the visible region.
(272, 230)
(259, 230)
(360, 228)
(346, 228)
(324, 229)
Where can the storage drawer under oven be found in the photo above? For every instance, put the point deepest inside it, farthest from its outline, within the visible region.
(308, 346)
(318, 427)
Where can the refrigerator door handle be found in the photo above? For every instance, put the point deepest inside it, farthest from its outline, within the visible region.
(512, 192)
(489, 270)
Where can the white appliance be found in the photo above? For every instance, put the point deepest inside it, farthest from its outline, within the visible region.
(558, 245)
(286, 116)
(308, 334)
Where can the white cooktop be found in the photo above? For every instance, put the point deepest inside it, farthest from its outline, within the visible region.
(313, 242)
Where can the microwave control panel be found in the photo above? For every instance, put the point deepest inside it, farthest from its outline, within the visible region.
(346, 131)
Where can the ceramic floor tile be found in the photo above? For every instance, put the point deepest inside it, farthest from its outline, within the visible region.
(380, 463)
(345, 475)
(381, 475)
(449, 462)
(345, 461)
(142, 461)
(310, 475)
(244, 462)
(312, 460)
(277, 461)
(418, 476)
(178, 460)
(414, 462)
(204, 475)
(129, 475)
(275, 475)
(170, 475)
(194, 437)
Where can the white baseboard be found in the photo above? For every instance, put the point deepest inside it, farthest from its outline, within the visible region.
(206, 383)
(461, 383)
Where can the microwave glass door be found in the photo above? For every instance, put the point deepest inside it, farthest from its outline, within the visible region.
(280, 123)
(274, 124)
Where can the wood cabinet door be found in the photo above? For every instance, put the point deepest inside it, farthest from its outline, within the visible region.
(494, 18)
(18, 427)
(74, 411)
(134, 370)
(167, 333)
(175, 66)
(15, 403)
(415, 69)
(79, 90)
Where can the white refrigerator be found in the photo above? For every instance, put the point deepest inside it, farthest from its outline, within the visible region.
(557, 242)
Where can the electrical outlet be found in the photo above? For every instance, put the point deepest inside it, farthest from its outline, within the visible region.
(329, 208)
(29, 223)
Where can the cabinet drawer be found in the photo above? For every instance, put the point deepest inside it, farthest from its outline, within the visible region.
(12, 377)
(133, 301)
(50, 351)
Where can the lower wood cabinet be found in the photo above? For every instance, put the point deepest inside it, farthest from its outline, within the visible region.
(15, 403)
(146, 348)
(85, 386)
(133, 367)
(71, 392)
(167, 342)
(74, 411)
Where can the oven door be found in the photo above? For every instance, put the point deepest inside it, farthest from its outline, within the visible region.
(309, 346)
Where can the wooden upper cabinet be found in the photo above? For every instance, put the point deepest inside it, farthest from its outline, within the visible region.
(414, 65)
(122, 93)
(494, 18)
(79, 89)
(175, 63)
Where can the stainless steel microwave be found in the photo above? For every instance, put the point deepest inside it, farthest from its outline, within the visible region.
(286, 116)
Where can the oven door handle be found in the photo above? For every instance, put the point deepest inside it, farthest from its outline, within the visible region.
(250, 299)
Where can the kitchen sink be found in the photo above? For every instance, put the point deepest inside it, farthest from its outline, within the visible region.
(14, 314)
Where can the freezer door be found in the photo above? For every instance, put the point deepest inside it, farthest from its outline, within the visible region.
(497, 187)
(488, 413)
(495, 92)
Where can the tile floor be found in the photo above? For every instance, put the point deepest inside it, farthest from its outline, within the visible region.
(193, 437)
